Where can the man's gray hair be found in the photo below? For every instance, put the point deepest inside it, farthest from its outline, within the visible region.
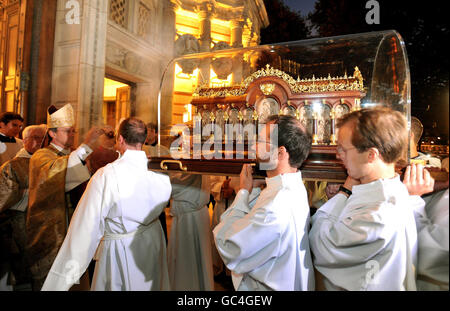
(31, 128)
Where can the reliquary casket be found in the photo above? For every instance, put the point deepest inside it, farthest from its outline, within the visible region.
(210, 104)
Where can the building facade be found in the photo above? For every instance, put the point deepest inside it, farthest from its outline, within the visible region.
(106, 57)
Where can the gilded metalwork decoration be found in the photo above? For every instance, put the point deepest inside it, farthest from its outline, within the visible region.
(255, 115)
(226, 116)
(240, 116)
(297, 114)
(267, 88)
(312, 85)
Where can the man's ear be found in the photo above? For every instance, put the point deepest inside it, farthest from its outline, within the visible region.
(51, 134)
(373, 154)
(282, 153)
(121, 140)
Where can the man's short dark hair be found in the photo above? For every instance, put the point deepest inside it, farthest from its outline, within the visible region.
(133, 131)
(381, 128)
(7, 117)
(293, 136)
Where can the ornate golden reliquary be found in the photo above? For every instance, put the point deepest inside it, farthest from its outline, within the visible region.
(316, 102)
(239, 88)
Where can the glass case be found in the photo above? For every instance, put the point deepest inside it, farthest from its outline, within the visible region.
(317, 81)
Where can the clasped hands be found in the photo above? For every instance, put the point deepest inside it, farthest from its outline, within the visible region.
(246, 180)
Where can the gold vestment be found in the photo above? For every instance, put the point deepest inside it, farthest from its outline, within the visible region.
(13, 181)
(47, 216)
(13, 185)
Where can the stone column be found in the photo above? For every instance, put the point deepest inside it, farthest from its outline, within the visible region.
(205, 29)
(236, 33)
(79, 59)
(236, 42)
(147, 100)
(167, 43)
(205, 14)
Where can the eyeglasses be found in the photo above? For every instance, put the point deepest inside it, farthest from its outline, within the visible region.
(341, 150)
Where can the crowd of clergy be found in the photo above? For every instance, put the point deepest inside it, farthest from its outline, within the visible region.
(93, 216)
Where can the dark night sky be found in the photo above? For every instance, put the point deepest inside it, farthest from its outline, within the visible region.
(439, 109)
(304, 6)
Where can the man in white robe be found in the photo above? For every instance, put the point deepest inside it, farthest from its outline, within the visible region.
(364, 238)
(433, 234)
(153, 149)
(265, 243)
(189, 247)
(432, 229)
(117, 220)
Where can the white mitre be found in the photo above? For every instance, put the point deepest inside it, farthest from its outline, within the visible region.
(63, 117)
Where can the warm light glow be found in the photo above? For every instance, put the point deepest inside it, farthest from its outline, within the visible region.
(187, 115)
(220, 30)
(183, 88)
(183, 29)
(181, 75)
(216, 82)
(188, 22)
(188, 14)
(247, 33)
(110, 87)
(220, 22)
(317, 107)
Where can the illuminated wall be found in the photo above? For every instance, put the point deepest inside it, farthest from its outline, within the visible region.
(223, 20)
(187, 22)
(110, 87)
